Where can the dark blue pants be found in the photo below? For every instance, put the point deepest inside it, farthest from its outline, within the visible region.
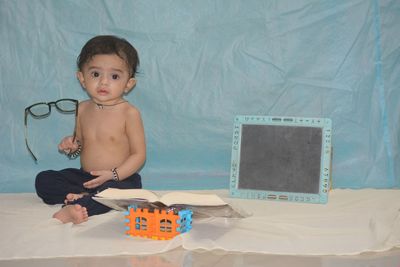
(53, 187)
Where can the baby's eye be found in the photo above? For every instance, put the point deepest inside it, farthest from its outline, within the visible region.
(115, 76)
(95, 74)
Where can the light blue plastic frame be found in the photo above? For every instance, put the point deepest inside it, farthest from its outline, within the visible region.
(325, 163)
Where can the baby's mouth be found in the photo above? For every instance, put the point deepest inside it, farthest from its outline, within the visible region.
(102, 92)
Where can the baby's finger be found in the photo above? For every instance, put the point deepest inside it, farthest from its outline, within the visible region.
(95, 173)
(90, 184)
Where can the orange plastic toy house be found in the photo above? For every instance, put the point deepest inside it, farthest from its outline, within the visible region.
(157, 223)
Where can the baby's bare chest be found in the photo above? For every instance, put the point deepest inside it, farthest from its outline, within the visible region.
(103, 127)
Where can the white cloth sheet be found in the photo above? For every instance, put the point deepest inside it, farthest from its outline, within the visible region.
(353, 221)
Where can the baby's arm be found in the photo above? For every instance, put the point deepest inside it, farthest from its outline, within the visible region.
(71, 144)
(137, 143)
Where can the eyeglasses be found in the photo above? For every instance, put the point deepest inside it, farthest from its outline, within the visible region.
(42, 110)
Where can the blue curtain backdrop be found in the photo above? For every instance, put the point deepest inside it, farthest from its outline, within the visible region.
(202, 63)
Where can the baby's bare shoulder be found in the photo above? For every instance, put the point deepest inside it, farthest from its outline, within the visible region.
(132, 111)
(83, 104)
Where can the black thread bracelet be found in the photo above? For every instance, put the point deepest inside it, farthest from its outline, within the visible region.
(115, 174)
(76, 153)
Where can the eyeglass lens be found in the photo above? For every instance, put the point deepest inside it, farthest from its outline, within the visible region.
(40, 110)
(65, 105)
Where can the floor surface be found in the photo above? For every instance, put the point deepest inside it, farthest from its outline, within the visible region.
(181, 257)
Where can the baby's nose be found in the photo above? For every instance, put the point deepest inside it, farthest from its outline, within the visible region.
(104, 80)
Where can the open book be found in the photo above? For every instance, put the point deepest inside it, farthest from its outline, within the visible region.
(202, 205)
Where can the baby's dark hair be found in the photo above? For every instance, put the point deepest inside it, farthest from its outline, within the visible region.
(108, 45)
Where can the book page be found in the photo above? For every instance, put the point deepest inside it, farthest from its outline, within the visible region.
(192, 199)
(140, 194)
(175, 197)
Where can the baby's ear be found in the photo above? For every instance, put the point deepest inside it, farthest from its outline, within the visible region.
(130, 85)
(81, 79)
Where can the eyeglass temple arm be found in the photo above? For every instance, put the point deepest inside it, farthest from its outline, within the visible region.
(26, 136)
(76, 122)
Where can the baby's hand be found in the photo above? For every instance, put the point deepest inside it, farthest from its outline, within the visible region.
(68, 145)
(102, 177)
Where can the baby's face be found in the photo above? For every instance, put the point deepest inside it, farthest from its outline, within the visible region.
(106, 78)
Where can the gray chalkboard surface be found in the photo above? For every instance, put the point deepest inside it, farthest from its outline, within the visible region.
(281, 158)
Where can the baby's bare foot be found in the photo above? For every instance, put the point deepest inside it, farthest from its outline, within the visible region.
(72, 213)
(72, 197)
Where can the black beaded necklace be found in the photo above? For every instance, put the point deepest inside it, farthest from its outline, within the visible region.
(101, 106)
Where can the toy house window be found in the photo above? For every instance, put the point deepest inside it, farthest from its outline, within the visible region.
(165, 225)
(141, 223)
